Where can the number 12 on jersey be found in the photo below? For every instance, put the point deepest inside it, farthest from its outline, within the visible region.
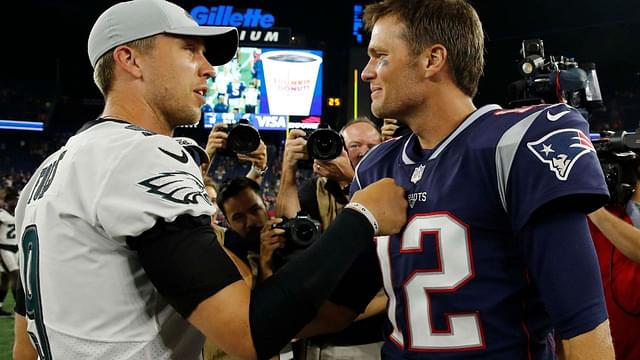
(455, 269)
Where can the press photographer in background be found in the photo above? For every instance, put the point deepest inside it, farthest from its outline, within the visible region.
(243, 140)
(322, 197)
(615, 230)
(334, 158)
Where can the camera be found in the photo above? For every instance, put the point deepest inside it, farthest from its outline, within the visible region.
(619, 161)
(561, 80)
(243, 138)
(556, 79)
(324, 143)
(300, 232)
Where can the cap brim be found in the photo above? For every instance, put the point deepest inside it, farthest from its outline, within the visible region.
(221, 42)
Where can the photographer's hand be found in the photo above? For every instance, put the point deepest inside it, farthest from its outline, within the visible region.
(258, 159)
(295, 149)
(217, 140)
(270, 240)
(388, 129)
(338, 169)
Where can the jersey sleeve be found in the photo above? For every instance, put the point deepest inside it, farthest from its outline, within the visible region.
(154, 179)
(554, 161)
(562, 262)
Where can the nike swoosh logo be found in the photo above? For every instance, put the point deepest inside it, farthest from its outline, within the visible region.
(554, 117)
(184, 158)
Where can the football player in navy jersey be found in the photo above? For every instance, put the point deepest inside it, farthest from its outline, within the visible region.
(496, 260)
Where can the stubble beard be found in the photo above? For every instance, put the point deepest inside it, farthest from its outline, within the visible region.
(184, 115)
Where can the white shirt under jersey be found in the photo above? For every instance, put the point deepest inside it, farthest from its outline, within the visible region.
(87, 294)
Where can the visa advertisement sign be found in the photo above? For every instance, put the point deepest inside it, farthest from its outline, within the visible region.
(226, 15)
(259, 121)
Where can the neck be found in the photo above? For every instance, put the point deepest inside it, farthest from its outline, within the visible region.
(136, 110)
(440, 115)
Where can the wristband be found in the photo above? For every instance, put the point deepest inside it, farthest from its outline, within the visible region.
(364, 211)
(258, 171)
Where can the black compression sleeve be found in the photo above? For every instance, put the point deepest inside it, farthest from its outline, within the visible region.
(184, 261)
(361, 283)
(20, 307)
(284, 303)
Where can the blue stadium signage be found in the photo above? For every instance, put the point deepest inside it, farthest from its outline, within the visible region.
(225, 15)
(21, 125)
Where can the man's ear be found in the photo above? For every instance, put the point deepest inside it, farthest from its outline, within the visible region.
(126, 58)
(434, 59)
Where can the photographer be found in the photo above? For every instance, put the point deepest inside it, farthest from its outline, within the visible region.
(323, 197)
(218, 140)
(615, 230)
(240, 201)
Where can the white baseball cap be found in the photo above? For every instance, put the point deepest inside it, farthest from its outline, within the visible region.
(138, 19)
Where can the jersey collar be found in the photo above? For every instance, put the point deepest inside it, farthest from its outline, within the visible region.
(100, 120)
(412, 152)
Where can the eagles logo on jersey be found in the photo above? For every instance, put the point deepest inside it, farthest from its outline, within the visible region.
(177, 186)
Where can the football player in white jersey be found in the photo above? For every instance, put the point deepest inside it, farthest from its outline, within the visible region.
(8, 249)
(118, 219)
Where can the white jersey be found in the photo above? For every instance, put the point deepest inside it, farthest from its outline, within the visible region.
(87, 295)
(8, 242)
(7, 229)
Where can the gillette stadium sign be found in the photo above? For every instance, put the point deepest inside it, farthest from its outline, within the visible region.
(225, 15)
(255, 27)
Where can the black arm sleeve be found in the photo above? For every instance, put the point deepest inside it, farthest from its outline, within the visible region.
(284, 303)
(184, 261)
(20, 304)
(361, 283)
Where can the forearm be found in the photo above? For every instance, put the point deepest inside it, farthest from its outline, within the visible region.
(254, 175)
(331, 318)
(595, 344)
(22, 347)
(283, 304)
(287, 202)
(375, 307)
(624, 236)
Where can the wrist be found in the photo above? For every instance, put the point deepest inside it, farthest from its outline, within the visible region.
(259, 171)
(368, 214)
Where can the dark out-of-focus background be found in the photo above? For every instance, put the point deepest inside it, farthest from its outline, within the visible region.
(45, 75)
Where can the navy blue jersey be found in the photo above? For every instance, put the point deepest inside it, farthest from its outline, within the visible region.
(457, 276)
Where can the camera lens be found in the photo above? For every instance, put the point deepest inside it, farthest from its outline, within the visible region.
(243, 138)
(324, 144)
(305, 232)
